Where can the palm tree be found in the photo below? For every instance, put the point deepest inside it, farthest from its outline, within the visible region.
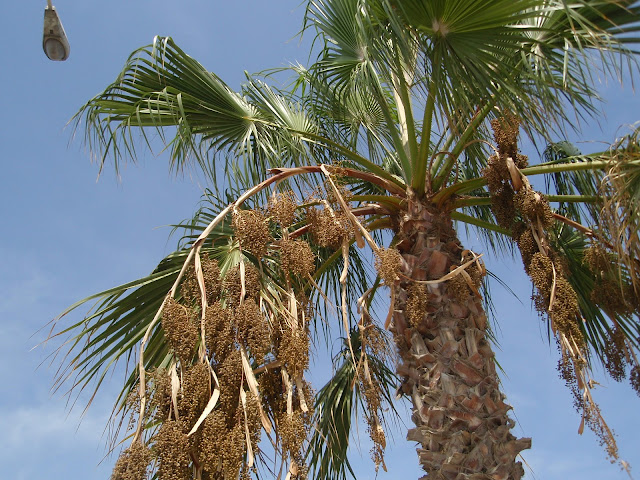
(403, 130)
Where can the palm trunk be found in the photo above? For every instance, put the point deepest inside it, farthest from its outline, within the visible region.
(448, 366)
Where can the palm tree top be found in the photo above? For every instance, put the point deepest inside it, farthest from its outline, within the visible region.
(410, 107)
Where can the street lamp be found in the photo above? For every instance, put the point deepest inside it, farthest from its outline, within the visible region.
(54, 39)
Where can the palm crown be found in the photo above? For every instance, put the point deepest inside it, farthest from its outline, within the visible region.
(407, 122)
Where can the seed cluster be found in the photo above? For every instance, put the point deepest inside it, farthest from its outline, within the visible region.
(293, 349)
(330, 228)
(297, 258)
(132, 463)
(252, 231)
(282, 208)
(253, 329)
(533, 206)
(196, 390)
(417, 303)
(388, 264)
(180, 329)
(615, 353)
(238, 320)
(172, 450)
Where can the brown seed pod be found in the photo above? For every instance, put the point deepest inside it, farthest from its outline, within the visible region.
(566, 311)
(528, 248)
(297, 258)
(132, 463)
(329, 228)
(534, 206)
(196, 390)
(253, 329)
(458, 289)
(282, 208)
(230, 374)
(388, 263)
(417, 302)
(180, 329)
(503, 207)
(599, 261)
(272, 388)
(159, 385)
(252, 231)
(212, 282)
(293, 433)
(293, 350)
(172, 451)
(541, 273)
(220, 331)
(505, 132)
(223, 445)
(233, 286)
(615, 354)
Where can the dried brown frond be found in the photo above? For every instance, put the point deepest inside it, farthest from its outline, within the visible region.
(180, 329)
(297, 258)
(172, 451)
(388, 264)
(133, 463)
(417, 302)
(252, 231)
(282, 208)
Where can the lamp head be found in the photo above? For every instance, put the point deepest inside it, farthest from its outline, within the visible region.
(54, 39)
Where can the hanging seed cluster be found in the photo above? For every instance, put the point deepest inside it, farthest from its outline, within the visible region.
(172, 447)
(296, 258)
(208, 348)
(527, 213)
(417, 303)
(179, 325)
(503, 202)
(374, 345)
(252, 231)
(615, 351)
(388, 264)
(132, 463)
(282, 208)
(330, 228)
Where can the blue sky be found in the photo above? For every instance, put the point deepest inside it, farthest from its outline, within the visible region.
(66, 236)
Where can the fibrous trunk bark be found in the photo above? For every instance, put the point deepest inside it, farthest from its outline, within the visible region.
(447, 365)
